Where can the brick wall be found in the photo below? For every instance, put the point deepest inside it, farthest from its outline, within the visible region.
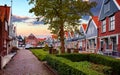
(117, 26)
(116, 31)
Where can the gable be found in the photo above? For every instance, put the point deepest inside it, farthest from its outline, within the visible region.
(84, 27)
(108, 8)
(82, 35)
(117, 3)
(91, 30)
(81, 29)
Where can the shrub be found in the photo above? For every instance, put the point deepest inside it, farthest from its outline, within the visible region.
(108, 61)
(75, 57)
(97, 59)
(46, 48)
(67, 67)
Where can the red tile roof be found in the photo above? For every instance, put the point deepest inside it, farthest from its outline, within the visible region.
(84, 26)
(95, 19)
(118, 1)
(41, 39)
(31, 36)
(72, 34)
(66, 34)
(4, 12)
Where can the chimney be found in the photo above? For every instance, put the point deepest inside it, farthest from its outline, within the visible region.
(5, 5)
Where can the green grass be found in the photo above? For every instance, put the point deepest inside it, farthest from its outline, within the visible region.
(72, 64)
(97, 67)
(67, 67)
(40, 53)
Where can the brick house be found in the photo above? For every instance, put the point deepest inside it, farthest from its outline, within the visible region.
(109, 30)
(5, 18)
(92, 35)
(31, 40)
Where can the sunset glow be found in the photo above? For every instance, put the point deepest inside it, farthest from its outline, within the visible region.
(26, 28)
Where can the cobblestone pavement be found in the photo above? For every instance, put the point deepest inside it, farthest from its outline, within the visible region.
(25, 63)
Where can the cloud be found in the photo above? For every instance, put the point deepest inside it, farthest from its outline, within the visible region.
(29, 20)
(16, 18)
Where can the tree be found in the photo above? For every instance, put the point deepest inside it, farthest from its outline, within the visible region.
(61, 14)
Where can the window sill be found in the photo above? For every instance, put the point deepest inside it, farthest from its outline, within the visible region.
(103, 32)
(111, 30)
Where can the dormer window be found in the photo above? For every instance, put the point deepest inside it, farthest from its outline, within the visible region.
(106, 7)
(104, 26)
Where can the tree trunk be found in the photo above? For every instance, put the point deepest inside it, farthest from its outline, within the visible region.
(62, 39)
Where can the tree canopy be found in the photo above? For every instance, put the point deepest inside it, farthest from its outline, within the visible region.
(61, 14)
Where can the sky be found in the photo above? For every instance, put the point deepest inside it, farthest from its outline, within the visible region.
(26, 23)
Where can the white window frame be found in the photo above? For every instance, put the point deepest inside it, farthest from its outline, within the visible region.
(103, 26)
(112, 23)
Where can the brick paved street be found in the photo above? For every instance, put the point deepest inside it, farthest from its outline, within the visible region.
(25, 63)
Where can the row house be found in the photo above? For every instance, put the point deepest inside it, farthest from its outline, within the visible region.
(31, 40)
(76, 40)
(92, 35)
(5, 23)
(81, 38)
(69, 44)
(12, 36)
(109, 30)
(49, 41)
(71, 40)
(55, 41)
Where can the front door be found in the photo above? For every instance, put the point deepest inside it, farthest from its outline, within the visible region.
(114, 44)
(101, 48)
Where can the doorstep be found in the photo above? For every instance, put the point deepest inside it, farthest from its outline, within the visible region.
(6, 59)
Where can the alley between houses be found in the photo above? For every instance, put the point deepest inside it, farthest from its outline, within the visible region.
(25, 63)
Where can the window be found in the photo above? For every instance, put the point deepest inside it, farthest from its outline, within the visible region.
(107, 7)
(104, 26)
(6, 26)
(5, 43)
(112, 23)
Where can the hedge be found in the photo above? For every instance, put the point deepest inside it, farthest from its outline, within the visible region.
(40, 53)
(97, 59)
(108, 61)
(75, 57)
(67, 67)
